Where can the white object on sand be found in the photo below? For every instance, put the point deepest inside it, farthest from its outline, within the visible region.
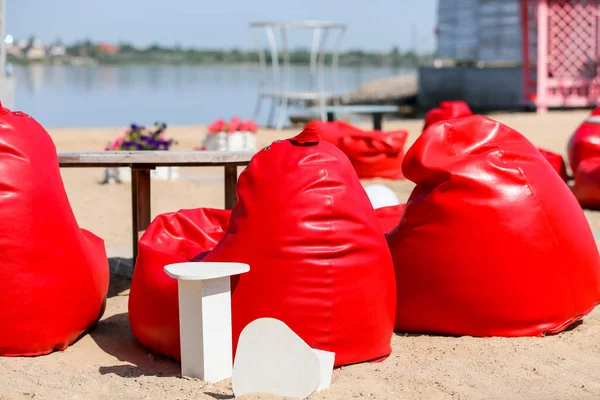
(381, 196)
(123, 174)
(271, 358)
(205, 317)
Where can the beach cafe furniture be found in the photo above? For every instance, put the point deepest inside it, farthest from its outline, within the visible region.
(288, 226)
(54, 275)
(373, 154)
(514, 254)
(276, 72)
(584, 158)
(447, 110)
(142, 162)
(271, 358)
(454, 109)
(376, 112)
(204, 295)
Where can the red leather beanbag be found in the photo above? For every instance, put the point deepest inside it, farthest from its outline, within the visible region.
(446, 111)
(318, 260)
(373, 154)
(587, 183)
(585, 141)
(557, 162)
(389, 217)
(53, 275)
(492, 242)
(181, 236)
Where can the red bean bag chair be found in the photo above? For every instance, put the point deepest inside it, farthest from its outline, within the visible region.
(446, 111)
(557, 162)
(389, 217)
(492, 242)
(585, 141)
(318, 261)
(373, 154)
(53, 275)
(182, 236)
(587, 183)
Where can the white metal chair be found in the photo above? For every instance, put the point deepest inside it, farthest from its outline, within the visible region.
(280, 91)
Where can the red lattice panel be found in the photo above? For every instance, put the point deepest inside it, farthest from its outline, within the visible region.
(572, 39)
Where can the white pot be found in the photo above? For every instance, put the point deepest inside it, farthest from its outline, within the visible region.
(237, 141)
(222, 141)
(249, 141)
(123, 174)
(210, 142)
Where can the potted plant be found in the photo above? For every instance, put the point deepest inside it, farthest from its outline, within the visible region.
(235, 135)
(216, 138)
(140, 138)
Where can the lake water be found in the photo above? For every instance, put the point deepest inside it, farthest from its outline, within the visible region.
(96, 96)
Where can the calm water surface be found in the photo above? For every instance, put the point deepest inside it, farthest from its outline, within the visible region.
(95, 96)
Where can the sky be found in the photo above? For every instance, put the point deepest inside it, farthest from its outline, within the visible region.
(374, 25)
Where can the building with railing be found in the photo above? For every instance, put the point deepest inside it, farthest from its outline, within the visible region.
(536, 53)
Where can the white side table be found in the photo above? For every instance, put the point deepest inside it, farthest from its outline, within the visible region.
(205, 317)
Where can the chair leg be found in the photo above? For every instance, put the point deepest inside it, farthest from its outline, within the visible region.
(257, 108)
(271, 114)
(282, 113)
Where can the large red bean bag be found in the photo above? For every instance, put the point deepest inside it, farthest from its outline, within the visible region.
(587, 183)
(389, 217)
(492, 242)
(318, 259)
(373, 154)
(585, 141)
(446, 111)
(53, 275)
(557, 162)
(181, 236)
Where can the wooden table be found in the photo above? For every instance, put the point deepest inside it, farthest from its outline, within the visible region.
(141, 162)
(375, 111)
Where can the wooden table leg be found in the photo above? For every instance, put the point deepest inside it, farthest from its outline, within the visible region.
(230, 186)
(140, 204)
(377, 121)
(330, 117)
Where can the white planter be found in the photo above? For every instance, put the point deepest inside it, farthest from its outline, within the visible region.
(236, 141)
(123, 174)
(249, 141)
(216, 141)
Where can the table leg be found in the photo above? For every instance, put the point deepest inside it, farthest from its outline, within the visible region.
(140, 204)
(330, 117)
(377, 121)
(205, 329)
(230, 186)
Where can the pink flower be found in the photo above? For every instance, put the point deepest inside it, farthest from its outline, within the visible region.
(251, 126)
(217, 126)
(234, 125)
(117, 143)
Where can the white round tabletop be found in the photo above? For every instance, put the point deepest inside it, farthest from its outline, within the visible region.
(199, 271)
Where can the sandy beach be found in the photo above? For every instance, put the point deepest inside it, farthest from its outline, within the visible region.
(108, 363)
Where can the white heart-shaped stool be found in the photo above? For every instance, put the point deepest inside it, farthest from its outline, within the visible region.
(271, 358)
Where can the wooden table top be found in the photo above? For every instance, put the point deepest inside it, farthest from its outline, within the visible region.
(153, 158)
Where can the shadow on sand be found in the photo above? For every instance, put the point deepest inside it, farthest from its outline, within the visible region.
(113, 335)
(121, 272)
(571, 327)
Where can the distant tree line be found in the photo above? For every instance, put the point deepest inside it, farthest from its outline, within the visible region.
(126, 53)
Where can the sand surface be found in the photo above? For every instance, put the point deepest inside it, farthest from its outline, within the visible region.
(108, 363)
